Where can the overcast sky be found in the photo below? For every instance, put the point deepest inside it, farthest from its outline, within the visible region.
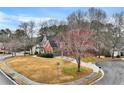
(12, 17)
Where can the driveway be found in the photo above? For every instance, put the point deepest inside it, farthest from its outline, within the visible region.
(113, 73)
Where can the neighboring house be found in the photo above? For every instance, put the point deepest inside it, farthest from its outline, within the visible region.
(44, 47)
(119, 52)
(122, 51)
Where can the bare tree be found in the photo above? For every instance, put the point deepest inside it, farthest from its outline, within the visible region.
(115, 32)
(97, 18)
(77, 20)
(24, 26)
(28, 38)
(13, 45)
(4, 37)
(77, 39)
(60, 41)
(43, 26)
(76, 43)
(30, 33)
(47, 27)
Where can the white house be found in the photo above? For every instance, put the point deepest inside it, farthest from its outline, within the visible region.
(119, 52)
(116, 52)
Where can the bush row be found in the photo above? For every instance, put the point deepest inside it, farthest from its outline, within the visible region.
(105, 53)
(46, 55)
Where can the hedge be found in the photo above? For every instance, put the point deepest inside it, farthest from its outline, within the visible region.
(105, 53)
(46, 55)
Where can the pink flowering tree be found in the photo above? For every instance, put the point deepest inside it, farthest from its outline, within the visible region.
(75, 43)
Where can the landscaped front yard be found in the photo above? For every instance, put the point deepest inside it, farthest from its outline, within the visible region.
(46, 70)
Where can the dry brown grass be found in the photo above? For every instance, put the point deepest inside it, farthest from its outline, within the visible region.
(44, 70)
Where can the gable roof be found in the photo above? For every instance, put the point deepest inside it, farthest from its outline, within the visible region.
(48, 39)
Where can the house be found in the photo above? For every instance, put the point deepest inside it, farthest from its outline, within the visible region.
(122, 51)
(44, 47)
(118, 51)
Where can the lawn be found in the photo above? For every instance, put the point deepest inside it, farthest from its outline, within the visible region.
(96, 59)
(89, 59)
(46, 70)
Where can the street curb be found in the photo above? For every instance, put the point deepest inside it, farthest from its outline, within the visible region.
(98, 78)
(14, 82)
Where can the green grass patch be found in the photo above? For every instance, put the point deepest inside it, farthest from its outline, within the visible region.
(86, 59)
(89, 59)
(72, 70)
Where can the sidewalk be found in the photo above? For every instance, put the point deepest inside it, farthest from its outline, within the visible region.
(89, 65)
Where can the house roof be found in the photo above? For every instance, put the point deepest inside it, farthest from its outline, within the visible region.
(51, 41)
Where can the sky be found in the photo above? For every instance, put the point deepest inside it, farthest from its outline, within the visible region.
(12, 17)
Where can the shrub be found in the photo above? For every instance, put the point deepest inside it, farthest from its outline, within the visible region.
(105, 53)
(35, 53)
(1, 52)
(46, 55)
(118, 56)
(122, 54)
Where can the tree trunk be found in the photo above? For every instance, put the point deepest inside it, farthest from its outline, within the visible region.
(99, 54)
(112, 53)
(24, 51)
(31, 52)
(4, 48)
(61, 53)
(12, 51)
(15, 53)
(12, 54)
(79, 63)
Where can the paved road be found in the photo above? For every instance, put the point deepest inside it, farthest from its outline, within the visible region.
(3, 79)
(113, 73)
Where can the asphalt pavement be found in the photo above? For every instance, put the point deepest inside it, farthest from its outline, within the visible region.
(4, 80)
(113, 73)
